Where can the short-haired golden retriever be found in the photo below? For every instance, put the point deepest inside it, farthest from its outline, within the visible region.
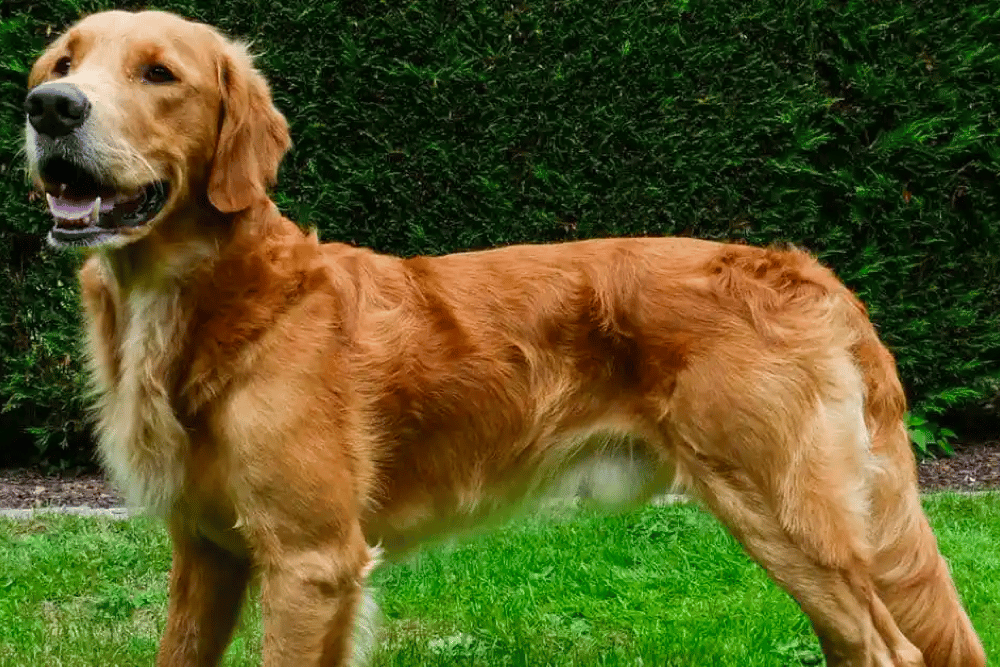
(288, 405)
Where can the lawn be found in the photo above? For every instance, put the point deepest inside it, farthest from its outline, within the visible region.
(658, 586)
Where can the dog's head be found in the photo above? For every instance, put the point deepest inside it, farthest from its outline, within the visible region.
(133, 117)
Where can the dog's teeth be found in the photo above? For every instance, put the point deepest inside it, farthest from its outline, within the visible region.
(50, 200)
(62, 189)
(95, 212)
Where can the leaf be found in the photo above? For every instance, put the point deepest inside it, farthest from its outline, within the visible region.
(945, 447)
(921, 438)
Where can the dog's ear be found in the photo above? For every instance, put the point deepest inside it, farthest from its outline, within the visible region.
(253, 135)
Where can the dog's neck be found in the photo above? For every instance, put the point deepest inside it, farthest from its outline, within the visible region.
(150, 290)
(164, 259)
(141, 310)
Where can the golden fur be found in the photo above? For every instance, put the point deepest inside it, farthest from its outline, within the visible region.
(284, 404)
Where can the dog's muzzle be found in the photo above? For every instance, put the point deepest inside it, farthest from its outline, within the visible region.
(87, 209)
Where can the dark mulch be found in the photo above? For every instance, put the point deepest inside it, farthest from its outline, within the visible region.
(973, 468)
(24, 488)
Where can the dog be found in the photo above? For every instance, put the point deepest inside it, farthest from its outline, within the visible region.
(286, 405)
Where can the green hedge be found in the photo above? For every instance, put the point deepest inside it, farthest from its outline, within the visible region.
(864, 131)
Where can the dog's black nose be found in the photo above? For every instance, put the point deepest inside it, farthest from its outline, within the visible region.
(56, 109)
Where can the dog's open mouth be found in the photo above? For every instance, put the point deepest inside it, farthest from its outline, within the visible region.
(88, 212)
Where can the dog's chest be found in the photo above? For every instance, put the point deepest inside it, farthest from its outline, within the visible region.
(142, 443)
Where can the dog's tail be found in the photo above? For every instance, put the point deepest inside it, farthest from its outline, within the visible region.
(912, 577)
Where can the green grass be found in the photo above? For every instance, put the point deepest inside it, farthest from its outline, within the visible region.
(659, 586)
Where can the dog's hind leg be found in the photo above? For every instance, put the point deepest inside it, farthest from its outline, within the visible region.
(911, 576)
(910, 573)
(790, 481)
(834, 590)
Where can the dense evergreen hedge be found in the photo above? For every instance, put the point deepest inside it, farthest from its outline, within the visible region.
(865, 131)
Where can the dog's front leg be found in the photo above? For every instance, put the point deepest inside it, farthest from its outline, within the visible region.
(311, 598)
(207, 586)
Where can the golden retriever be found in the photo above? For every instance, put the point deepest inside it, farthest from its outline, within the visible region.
(286, 404)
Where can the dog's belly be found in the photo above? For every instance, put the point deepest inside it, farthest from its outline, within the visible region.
(612, 472)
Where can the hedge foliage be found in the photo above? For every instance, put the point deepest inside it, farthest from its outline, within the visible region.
(864, 131)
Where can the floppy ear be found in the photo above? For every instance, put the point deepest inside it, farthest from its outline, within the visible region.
(253, 136)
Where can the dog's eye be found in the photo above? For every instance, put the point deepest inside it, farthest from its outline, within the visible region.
(157, 74)
(62, 66)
